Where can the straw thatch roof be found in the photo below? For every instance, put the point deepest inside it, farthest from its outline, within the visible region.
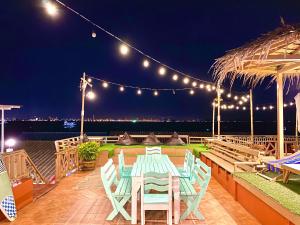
(151, 139)
(125, 139)
(175, 140)
(275, 52)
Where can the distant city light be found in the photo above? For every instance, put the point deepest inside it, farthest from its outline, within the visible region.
(146, 63)
(91, 95)
(162, 71)
(124, 50)
(51, 8)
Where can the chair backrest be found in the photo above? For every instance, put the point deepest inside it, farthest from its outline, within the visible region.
(121, 162)
(109, 177)
(160, 182)
(202, 175)
(153, 150)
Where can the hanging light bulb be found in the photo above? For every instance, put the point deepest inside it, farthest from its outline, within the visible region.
(237, 108)
(155, 93)
(248, 96)
(201, 86)
(194, 84)
(244, 108)
(186, 80)
(271, 107)
(162, 71)
(91, 95)
(284, 105)
(124, 49)
(236, 97)
(121, 88)
(192, 92)
(105, 84)
(228, 95)
(221, 91)
(264, 107)
(51, 8)
(213, 87)
(208, 86)
(146, 63)
(257, 108)
(175, 77)
(89, 80)
(291, 103)
(241, 102)
(139, 92)
(94, 34)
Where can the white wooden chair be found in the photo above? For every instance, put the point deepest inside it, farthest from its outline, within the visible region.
(153, 150)
(160, 182)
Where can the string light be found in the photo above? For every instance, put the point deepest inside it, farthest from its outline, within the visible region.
(291, 103)
(228, 95)
(194, 84)
(213, 87)
(51, 8)
(237, 108)
(192, 92)
(241, 102)
(244, 108)
(186, 80)
(139, 92)
(257, 108)
(105, 84)
(89, 80)
(146, 63)
(94, 35)
(155, 93)
(124, 50)
(201, 86)
(162, 71)
(236, 97)
(175, 77)
(121, 88)
(91, 95)
(284, 105)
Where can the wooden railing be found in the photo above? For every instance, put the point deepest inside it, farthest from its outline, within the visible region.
(197, 140)
(19, 166)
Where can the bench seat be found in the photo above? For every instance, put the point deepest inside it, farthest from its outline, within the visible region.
(123, 188)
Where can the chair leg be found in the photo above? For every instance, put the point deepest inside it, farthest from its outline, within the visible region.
(142, 216)
(170, 216)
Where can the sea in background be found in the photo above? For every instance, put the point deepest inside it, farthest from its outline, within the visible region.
(54, 130)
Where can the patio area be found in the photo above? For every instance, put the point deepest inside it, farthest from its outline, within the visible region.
(80, 199)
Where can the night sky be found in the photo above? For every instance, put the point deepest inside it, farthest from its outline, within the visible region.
(43, 58)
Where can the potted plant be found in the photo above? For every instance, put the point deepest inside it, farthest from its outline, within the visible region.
(87, 153)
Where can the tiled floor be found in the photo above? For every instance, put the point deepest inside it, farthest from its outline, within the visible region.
(80, 199)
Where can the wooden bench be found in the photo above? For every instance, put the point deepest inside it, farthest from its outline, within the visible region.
(235, 157)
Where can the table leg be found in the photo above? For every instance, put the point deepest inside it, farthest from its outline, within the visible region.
(176, 199)
(134, 193)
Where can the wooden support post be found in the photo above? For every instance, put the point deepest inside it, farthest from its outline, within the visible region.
(251, 117)
(83, 87)
(280, 128)
(219, 111)
(213, 120)
(2, 131)
(296, 130)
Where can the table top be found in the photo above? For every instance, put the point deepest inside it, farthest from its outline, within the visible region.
(295, 168)
(153, 163)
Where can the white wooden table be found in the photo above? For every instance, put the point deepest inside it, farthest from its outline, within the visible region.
(159, 164)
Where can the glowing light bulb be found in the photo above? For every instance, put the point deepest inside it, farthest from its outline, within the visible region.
(155, 93)
(105, 84)
(175, 77)
(121, 88)
(236, 97)
(257, 108)
(264, 107)
(284, 105)
(91, 95)
(213, 87)
(89, 80)
(228, 95)
(237, 108)
(51, 8)
(271, 107)
(162, 71)
(201, 86)
(291, 103)
(94, 34)
(124, 50)
(241, 102)
(186, 80)
(221, 91)
(139, 92)
(146, 63)
(248, 96)
(192, 92)
(10, 142)
(194, 84)
(208, 86)
(244, 108)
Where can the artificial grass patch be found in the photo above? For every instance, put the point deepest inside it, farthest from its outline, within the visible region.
(282, 193)
(196, 148)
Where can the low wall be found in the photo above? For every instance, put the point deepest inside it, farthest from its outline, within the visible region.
(266, 210)
(23, 194)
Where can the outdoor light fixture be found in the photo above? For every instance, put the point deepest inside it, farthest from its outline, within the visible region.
(194, 84)
(105, 84)
(139, 92)
(175, 77)
(155, 93)
(162, 71)
(121, 88)
(10, 143)
(146, 63)
(192, 92)
(51, 8)
(186, 80)
(124, 50)
(91, 95)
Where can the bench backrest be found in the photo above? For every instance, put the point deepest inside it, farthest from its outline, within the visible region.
(121, 162)
(202, 174)
(153, 150)
(109, 177)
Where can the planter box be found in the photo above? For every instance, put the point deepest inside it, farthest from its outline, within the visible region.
(23, 194)
(265, 209)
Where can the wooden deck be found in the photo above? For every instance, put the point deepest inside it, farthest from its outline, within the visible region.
(80, 199)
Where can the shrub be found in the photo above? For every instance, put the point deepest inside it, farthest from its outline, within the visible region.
(88, 151)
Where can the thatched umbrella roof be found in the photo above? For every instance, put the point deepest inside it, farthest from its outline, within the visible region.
(151, 139)
(126, 139)
(175, 140)
(275, 52)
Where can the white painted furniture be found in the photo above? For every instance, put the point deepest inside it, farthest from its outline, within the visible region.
(153, 150)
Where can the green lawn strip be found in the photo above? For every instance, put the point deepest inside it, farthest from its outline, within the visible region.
(196, 148)
(278, 191)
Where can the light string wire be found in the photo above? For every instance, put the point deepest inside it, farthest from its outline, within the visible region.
(132, 47)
